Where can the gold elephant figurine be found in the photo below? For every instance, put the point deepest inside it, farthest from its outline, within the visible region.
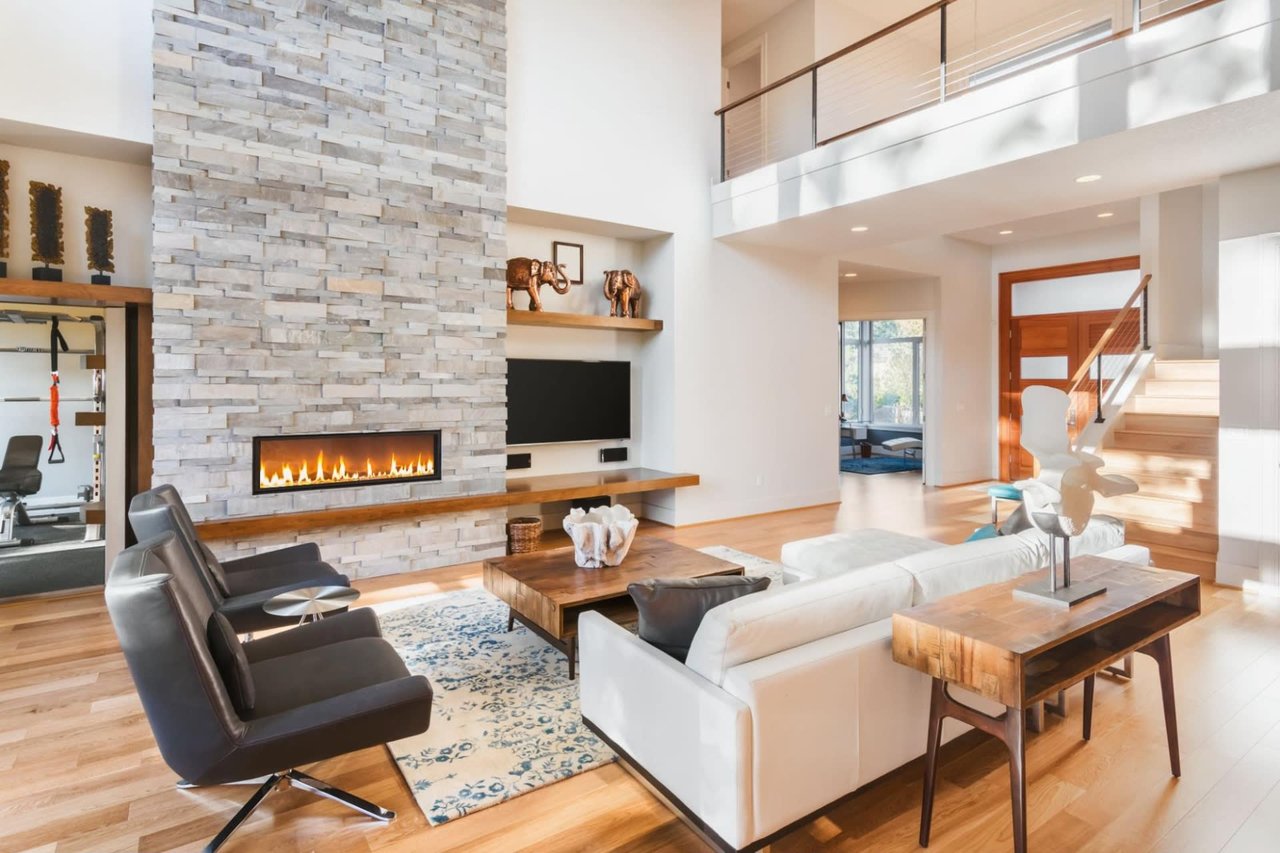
(622, 289)
(527, 275)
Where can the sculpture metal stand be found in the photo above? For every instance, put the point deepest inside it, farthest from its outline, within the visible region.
(1059, 501)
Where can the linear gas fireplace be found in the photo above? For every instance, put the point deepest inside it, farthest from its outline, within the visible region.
(290, 463)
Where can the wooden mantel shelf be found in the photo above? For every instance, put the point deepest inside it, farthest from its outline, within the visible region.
(581, 321)
(71, 293)
(523, 490)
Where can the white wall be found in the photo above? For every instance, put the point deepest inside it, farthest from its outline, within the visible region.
(599, 253)
(878, 300)
(1249, 341)
(735, 388)
(122, 188)
(78, 66)
(1173, 233)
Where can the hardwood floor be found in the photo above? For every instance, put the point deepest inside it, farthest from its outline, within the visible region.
(81, 772)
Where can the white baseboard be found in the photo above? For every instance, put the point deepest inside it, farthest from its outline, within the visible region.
(1236, 575)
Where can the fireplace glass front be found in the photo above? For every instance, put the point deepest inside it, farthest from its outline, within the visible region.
(290, 463)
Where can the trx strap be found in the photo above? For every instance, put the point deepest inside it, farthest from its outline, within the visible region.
(55, 444)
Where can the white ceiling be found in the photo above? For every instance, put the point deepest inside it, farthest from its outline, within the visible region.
(1123, 213)
(738, 16)
(868, 273)
(1194, 149)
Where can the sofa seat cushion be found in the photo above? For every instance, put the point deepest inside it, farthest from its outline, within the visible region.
(303, 678)
(837, 553)
(778, 619)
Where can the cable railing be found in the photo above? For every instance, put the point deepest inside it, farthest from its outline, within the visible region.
(1103, 373)
(939, 52)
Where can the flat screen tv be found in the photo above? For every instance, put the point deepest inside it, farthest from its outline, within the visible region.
(552, 400)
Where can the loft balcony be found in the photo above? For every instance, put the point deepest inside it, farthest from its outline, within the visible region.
(935, 96)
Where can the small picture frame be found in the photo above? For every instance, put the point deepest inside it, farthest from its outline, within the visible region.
(569, 254)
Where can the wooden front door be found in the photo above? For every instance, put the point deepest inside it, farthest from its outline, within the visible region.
(1048, 349)
(1043, 349)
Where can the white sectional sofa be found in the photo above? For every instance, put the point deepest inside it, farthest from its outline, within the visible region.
(789, 699)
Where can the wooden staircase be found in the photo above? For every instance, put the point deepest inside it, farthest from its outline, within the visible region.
(1168, 442)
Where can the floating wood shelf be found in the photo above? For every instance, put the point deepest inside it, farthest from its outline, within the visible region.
(523, 490)
(582, 321)
(70, 293)
(91, 418)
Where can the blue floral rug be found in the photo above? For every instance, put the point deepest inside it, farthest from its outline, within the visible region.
(505, 719)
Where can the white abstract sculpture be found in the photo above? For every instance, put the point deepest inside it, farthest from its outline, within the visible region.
(1059, 500)
(601, 536)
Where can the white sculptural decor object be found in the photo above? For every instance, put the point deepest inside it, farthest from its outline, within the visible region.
(601, 536)
(1059, 500)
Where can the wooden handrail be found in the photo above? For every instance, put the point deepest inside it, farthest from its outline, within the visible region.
(857, 45)
(1082, 372)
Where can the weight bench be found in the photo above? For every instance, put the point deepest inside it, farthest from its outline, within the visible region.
(20, 478)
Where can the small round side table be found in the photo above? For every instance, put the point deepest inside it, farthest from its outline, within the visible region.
(311, 602)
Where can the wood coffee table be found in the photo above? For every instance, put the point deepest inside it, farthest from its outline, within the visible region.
(1019, 652)
(546, 590)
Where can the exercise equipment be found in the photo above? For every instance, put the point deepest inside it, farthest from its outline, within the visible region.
(55, 444)
(20, 477)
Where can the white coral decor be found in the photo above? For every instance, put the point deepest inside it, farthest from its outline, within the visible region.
(601, 536)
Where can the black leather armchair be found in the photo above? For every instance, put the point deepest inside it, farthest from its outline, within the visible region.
(237, 588)
(20, 477)
(318, 690)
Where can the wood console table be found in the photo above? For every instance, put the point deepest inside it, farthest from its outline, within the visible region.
(1018, 652)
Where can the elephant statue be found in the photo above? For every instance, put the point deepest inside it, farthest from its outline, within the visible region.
(527, 275)
(622, 289)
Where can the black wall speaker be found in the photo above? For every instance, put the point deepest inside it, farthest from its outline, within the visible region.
(613, 454)
(516, 461)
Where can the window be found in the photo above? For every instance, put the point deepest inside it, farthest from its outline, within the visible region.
(882, 371)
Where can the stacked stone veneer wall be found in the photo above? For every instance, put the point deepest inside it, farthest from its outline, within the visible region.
(329, 252)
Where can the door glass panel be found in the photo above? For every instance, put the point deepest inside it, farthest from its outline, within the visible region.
(1100, 292)
(1044, 367)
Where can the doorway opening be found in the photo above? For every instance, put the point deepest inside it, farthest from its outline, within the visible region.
(745, 130)
(882, 396)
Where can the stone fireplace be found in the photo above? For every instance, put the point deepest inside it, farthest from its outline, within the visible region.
(329, 249)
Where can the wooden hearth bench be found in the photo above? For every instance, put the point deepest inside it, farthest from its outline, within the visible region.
(519, 491)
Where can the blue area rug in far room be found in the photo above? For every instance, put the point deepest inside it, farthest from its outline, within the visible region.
(879, 465)
(505, 719)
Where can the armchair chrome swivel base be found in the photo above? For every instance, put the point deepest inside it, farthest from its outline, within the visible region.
(296, 779)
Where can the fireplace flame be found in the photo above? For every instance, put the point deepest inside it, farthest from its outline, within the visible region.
(285, 476)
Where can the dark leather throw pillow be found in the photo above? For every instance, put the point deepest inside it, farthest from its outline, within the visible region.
(672, 610)
(232, 664)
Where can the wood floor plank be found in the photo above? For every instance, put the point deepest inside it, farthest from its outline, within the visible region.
(81, 771)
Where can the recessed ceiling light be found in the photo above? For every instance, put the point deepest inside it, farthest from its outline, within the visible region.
(1005, 233)
(851, 275)
(1088, 179)
(1106, 215)
(858, 229)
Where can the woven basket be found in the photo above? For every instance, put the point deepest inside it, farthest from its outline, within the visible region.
(523, 534)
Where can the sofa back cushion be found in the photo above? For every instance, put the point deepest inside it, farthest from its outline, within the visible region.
(962, 567)
(782, 618)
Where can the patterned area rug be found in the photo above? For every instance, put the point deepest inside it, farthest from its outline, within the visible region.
(505, 719)
(879, 465)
